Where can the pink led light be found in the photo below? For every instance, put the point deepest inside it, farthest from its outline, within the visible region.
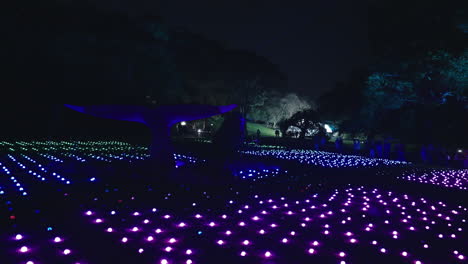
(124, 240)
(188, 252)
(24, 249)
(311, 251)
(18, 237)
(66, 252)
(342, 254)
(150, 238)
(57, 240)
(267, 254)
(168, 249)
(243, 254)
(220, 242)
(172, 240)
(404, 254)
(109, 230)
(246, 242)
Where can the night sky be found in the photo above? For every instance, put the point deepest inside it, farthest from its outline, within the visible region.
(317, 43)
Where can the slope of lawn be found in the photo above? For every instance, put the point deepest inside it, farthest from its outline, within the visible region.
(264, 131)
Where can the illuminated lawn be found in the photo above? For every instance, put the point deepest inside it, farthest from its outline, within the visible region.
(59, 205)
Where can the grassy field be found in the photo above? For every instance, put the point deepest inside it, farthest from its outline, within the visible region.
(265, 131)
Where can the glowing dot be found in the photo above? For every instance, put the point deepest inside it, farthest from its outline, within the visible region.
(24, 249)
(168, 249)
(140, 250)
(220, 242)
(18, 237)
(383, 250)
(188, 252)
(342, 254)
(164, 261)
(57, 240)
(243, 253)
(172, 240)
(66, 252)
(267, 254)
(311, 251)
(124, 240)
(150, 238)
(246, 242)
(404, 253)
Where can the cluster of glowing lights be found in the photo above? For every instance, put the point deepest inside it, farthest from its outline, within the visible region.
(351, 225)
(30, 249)
(448, 178)
(258, 174)
(82, 151)
(323, 158)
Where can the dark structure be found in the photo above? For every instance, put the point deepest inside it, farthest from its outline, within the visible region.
(159, 119)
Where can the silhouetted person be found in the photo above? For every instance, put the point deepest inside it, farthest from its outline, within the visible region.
(258, 133)
(378, 149)
(401, 152)
(371, 153)
(277, 133)
(338, 143)
(387, 146)
(322, 141)
(423, 154)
